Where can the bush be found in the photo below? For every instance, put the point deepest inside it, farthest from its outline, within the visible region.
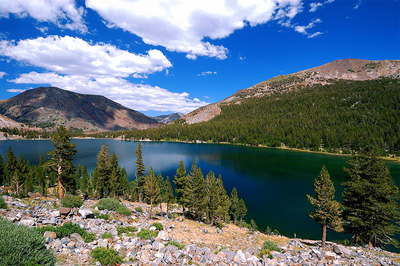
(106, 256)
(147, 234)
(108, 204)
(124, 210)
(138, 209)
(96, 213)
(104, 216)
(68, 229)
(158, 226)
(270, 245)
(72, 201)
(126, 229)
(107, 235)
(20, 245)
(176, 244)
(3, 204)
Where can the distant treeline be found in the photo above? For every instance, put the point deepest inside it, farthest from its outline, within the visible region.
(340, 117)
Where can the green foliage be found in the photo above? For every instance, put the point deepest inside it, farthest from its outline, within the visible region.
(152, 190)
(267, 247)
(140, 169)
(68, 229)
(370, 200)
(342, 115)
(108, 204)
(327, 210)
(106, 256)
(126, 229)
(147, 234)
(124, 210)
(176, 244)
(20, 245)
(138, 209)
(253, 226)
(103, 171)
(3, 204)
(198, 201)
(107, 235)
(234, 208)
(72, 201)
(181, 182)
(158, 226)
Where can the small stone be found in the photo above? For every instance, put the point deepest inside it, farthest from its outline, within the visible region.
(27, 222)
(65, 211)
(330, 255)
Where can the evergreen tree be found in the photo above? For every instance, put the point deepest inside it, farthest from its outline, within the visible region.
(242, 210)
(224, 202)
(151, 189)
(19, 176)
(234, 209)
(2, 171)
(182, 185)
(124, 187)
(103, 171)
(327, 210)
(211, 192)
(115, 171)
(197, 191)
(85, 182)
(370, 196)
(78, 176)
(41, 176)
(140, 169)
(11, 165)
(169, 194)
(160, 184)
(61, 158)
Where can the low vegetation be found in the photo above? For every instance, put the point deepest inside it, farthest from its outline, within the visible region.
(72, 201)
(106, 256)
(68, 229)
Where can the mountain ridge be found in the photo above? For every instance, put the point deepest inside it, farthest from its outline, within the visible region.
(48, 107)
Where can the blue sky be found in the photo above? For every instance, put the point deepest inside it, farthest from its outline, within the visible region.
(164, 56)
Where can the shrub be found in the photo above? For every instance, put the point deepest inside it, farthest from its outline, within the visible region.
(3, 204)
(106, 256)
(126, 229)
(20, 245)
(176, 244)
(107, 235)
(158, 226)
(108, 204)
(104, 216)
(68, 229)
(270, 245)
(138, 209)
(72, 201)
(124, 210)
(147, 234)
(96, 213)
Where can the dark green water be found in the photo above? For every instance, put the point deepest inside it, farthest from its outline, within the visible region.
(273, 182)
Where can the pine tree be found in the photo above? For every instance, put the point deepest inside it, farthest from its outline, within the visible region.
(2, 171)
(181, 183)
(370, 196)
(197, 194)
(327, 210)
(140, 169)
(160, 184)
(11, 165)
(242, 210)
(61, 158)
(115, 172)
(151, 189)
(124, 186)
(224, 202)
(19, 176)
(41, 176)
(211, 196)
(169, 194)
(234, 209)
(103, 171)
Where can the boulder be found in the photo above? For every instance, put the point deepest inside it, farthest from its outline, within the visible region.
(330, 255)
(163, 236)
(342, 250)
(77, 239)
(85, 213)
(27, 222)
(55, 213)
(240, 257)
(64, 212)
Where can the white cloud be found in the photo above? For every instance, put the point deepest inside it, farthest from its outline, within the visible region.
(136, 96)
(183, 25)
(15, 90)
(315, 6)
(74, 56)
(205, 73)
(63, 13)
(358, 4)
(2, 74)
(304, 29)
(315, 34)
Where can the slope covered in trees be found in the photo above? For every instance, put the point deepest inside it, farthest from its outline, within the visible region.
(340, 117)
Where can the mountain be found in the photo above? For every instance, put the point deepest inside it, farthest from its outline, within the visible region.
(48, 107)
(346, 69)
(165, 119)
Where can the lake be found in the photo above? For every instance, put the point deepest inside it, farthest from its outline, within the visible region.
(272, 182)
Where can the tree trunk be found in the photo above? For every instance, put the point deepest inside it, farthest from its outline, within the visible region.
(370, 244)
(323, 234)
(151, 209)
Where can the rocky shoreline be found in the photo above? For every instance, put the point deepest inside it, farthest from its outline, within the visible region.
(200, 243)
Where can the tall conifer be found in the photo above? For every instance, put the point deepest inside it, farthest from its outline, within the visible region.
(234, 209)
(151, 189)
(224, 202)
(212, 197)
(181, 183)
(169, 194)
(140, 169)
(11, 165)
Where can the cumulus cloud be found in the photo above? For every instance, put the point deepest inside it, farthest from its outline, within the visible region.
(303, 29)
(63, 13)
(74, 56)
(188, 26)
(315, 6)
(136, 96)
(205, 73)
(2, 74)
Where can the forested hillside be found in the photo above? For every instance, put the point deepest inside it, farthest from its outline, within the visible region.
(340, 117)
